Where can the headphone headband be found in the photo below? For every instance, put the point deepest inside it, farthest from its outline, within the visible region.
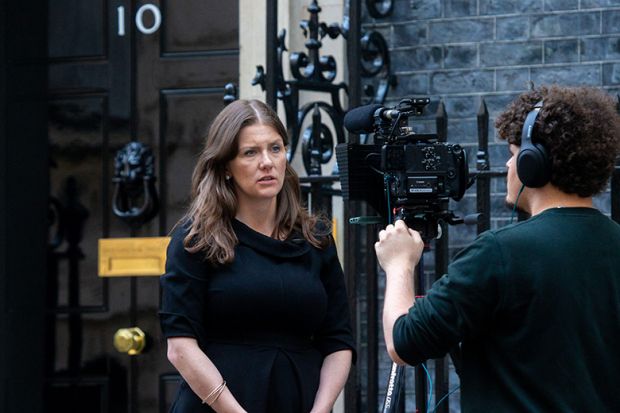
(530, 121)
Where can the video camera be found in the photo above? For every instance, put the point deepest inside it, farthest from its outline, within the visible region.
(407, 175)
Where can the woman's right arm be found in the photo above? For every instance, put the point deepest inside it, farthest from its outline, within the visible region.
(200, 373)
(184, 291)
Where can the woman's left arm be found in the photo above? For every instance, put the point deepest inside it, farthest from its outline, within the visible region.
(334, 373)
(334, 339)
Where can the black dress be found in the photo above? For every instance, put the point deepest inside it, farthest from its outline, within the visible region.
(266, 321)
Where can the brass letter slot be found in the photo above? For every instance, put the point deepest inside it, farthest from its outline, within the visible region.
(120, 257)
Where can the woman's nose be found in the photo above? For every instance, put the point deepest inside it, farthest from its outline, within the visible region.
(266, 160)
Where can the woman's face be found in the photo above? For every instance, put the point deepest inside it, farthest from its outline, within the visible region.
(258, 169)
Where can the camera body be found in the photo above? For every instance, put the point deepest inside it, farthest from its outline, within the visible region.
(410, 176)
(422, 171)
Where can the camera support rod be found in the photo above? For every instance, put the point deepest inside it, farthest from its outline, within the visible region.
(394, 389)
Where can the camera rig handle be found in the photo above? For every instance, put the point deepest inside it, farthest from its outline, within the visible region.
(426, 222)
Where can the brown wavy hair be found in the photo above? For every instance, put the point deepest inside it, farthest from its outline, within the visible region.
(213, 200)
(579, 127)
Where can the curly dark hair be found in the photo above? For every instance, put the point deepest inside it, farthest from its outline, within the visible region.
(580, 127)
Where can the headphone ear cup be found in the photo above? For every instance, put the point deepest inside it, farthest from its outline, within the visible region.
(533, 166)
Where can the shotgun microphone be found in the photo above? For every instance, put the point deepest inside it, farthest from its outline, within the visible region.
(362, 119)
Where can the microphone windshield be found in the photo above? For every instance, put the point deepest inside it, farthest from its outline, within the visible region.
(361, 119)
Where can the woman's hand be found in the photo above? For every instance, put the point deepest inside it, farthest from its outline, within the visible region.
(334, 373)
(200, 373)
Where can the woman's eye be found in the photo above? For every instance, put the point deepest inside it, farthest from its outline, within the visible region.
(276, 148)
(249, 152)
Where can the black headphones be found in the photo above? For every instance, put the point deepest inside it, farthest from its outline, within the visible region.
(533, 164)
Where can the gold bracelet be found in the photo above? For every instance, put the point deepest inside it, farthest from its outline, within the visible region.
(215, 392)
(217, 395)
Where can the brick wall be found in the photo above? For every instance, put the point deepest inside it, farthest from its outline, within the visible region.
(463, 51)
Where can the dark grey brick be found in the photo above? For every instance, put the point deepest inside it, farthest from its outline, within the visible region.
(603, 202)
(498, 185)
(611, 21)
(591, 4)
(460, 56)
(410, 34)
(557, 5)
(512, 28)
(460, 236)
(384, 28)
(600, 48)
(571, 24)
(509, 54)
(460, 8)
(611, 74)
(497, 103)
(460, 31)
(462, 131)
(498, 155)
(422, 126)
(499, 207)
(561, 51)
(430, 111)
(462, 81)
(409, 84)
(417, 58)
(401, 11)
(467, 204)
(613, 91)
(511, 79)
(461, 106)
(471, 149)
(573, 75)
(426, 9)
(509, 6)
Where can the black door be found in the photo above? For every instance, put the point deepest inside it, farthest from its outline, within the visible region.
(121, 71)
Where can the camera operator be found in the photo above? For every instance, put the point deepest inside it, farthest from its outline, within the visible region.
(535, 305)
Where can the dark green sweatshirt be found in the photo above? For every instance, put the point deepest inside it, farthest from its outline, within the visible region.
(536, 308)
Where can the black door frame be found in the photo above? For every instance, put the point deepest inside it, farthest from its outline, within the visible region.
(23, 204)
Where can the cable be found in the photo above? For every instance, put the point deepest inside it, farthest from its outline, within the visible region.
(444, 398)
(430, 386)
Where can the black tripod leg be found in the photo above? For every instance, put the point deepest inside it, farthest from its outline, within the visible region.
(394, 389)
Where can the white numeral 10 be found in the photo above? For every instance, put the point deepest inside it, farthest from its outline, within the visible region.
(140, 19)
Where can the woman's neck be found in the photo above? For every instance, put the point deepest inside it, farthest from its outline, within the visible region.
(261, 218)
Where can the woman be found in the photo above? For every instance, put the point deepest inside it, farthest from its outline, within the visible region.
(254, 306)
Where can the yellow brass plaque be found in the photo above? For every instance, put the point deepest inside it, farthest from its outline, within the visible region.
(122, 257)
